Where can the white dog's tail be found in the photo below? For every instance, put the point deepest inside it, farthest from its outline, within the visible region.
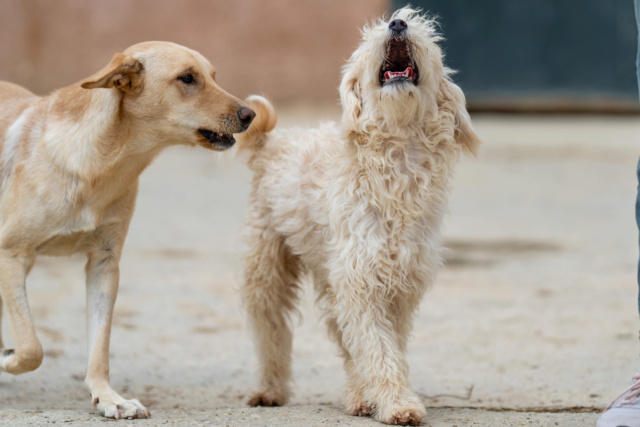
(263, 123)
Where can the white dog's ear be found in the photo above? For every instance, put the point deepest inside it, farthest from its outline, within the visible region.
(452, 98)
(123, 72)
(351, 101)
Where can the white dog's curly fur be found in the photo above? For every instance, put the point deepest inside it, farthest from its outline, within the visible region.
(356, 206)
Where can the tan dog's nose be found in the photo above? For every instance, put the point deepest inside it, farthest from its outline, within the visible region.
(246, 116)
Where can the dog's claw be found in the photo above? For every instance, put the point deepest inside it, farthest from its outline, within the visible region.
(407, 413)
(124, 409)
(362, 410)
(264, 398)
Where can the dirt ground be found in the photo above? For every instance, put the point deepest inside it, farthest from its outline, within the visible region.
(533, 322)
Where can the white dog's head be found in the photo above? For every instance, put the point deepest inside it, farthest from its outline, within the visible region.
(395, 80)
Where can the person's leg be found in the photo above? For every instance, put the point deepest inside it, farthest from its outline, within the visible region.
(637, 4)
(625, 409)
(638, 194)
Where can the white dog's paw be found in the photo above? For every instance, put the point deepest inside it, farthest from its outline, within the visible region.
(121, 408)
(402, 413)
(266, 398)
(359, 409)
(356, 405)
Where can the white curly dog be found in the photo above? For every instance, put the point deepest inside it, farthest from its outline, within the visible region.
(356, 206)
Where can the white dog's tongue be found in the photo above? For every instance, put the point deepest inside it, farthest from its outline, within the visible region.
(389, 75)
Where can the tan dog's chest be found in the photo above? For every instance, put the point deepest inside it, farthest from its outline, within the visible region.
(63, 244)
(70, 237)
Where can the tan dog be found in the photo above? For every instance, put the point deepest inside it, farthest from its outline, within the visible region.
(69, 170)
(356, 206)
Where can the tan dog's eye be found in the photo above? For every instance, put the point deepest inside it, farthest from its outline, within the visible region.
(186, 78)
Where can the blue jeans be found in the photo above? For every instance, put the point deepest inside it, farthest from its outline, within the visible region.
(637, 3)
(638, 222)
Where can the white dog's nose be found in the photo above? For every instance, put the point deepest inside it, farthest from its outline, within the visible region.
(398, 25)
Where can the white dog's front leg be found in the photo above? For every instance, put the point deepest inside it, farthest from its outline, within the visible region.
(368, 333)
(102, 287)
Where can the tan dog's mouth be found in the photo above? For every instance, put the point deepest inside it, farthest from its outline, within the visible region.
(398, 65)
(216, 140)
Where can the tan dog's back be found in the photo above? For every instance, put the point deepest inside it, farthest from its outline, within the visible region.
(14, 100)
(13, 91)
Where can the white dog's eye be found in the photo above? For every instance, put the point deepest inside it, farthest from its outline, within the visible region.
(186, 78)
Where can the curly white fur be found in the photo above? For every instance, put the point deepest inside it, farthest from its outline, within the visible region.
(358, 207)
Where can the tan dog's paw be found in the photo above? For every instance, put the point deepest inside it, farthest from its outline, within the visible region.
(402, 413)
(266, 398)
(5, 355)
(12, 363)
(121, 408)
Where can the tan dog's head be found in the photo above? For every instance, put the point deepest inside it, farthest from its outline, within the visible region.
(396, 79)
(172, 90)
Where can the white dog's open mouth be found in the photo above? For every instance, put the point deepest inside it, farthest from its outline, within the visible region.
(398, 65)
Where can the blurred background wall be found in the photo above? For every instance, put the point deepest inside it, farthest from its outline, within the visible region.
(289, 50)
(542, 55)
(512, 55)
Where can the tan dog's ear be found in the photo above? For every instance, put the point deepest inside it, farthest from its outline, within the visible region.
(452, 98)
(351, 101)
(123, 72)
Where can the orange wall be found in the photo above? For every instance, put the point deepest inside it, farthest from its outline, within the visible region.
(289, 50)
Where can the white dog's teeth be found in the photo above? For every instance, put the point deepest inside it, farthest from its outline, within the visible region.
(391, 75)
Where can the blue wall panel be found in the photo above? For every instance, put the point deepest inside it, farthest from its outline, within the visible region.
(548, 54)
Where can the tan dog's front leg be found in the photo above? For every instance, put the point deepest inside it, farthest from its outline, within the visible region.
(27, 355)
(102, 287)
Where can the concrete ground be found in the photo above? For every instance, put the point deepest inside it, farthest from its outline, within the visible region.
(533, 322)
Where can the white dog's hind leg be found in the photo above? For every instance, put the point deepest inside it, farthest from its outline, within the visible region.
(270, 293)
(102, 287)
(27, 355)
(370, 337)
